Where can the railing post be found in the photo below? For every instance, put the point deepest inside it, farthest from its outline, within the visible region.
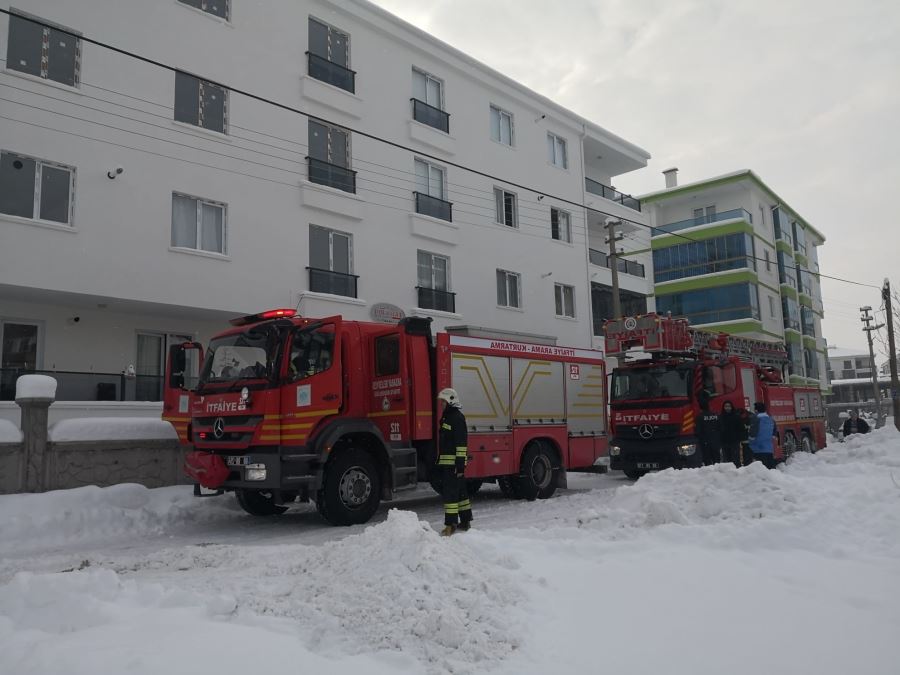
(34, 394)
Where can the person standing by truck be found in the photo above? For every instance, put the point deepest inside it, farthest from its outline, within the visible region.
(709, 432)
(734, 430)
(762, 430)
(453, 453)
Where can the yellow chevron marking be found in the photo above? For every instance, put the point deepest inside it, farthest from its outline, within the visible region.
(305, 425)
(311, 413)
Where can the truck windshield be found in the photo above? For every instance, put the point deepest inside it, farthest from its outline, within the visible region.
(237, 357)
(631, 384)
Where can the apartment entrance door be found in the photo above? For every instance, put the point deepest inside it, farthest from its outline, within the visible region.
(19, 353)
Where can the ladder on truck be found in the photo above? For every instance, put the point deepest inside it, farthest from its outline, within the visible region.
(760, 352)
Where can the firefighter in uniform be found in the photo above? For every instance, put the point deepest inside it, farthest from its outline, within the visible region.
(452, 456)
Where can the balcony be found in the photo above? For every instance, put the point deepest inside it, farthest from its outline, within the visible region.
(335, 74)
(624, 265)
(335, 283)
(611, 194)
(332, 175)
(431, 298)
(88, 386)
(703, 220)
(434, 207)
(428, 114)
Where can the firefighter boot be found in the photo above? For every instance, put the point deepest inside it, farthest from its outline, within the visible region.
(464, 527)
(448, 530)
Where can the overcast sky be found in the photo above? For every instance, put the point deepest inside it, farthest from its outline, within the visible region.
(806, 93)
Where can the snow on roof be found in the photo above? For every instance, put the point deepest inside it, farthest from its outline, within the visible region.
(842, 353)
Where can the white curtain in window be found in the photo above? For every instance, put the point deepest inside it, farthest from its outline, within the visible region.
(212, 228)
(436, 182)
(184, 221)
(433, 92)
(421, 177)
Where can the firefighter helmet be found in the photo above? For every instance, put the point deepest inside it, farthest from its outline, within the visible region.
(449, 395)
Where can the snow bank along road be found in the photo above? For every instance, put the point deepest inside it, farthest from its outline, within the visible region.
(703, 571)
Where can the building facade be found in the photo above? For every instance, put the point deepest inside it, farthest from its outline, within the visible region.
(729, 254)
(141, 205)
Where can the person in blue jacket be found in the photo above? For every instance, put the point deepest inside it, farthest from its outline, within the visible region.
(762, 431)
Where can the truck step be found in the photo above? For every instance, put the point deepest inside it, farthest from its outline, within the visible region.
(299, 479)
(299, 458)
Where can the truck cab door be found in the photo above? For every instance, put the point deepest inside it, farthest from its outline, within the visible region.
(388, 405)
(313, 382)
(182, 374)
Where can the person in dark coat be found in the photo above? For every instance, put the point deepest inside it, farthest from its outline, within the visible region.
(855, 424)
(709, 433)
(453, 454)
(734, 432)
(762, 432)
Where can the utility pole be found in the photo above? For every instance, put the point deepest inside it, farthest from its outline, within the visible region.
(614, 264)
(866, 319)
(889, 320)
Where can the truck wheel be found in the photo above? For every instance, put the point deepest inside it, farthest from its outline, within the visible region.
(807, 444)
(473, 485)
(633, 474)
(509, 487)
(351, 489)
(258, 503)
(790, 444)
(538, 476)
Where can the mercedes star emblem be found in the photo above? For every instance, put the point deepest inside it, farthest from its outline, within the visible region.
(645, 431)
(219, 427)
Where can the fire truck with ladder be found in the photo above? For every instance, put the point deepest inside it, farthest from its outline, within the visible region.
(664, 364)
(283, 408)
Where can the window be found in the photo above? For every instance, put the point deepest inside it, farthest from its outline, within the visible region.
(509, 285)
(790, 311)
(430, 191)
(329, 56)
(786, 270)
(507, 212)
(217, 8)
(708, 256)
(312, 352)
(42, 51)
(200, 103)
(32, 188)
(557, 154)
(560, 225)
(329, 157)
(771, 306)
(501, 126)
(768, 261)
(198, 224)
(428, 101)
(762, 215)
(434, 282)
(150, 363)
(331, 262)
(632, 304)
(387, 355)
(565, 300)
(712, 305)
(705, 215)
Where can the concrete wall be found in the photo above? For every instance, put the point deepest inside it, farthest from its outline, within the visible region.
(64, 410)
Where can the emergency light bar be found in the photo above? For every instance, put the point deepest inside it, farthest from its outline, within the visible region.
(263, 316)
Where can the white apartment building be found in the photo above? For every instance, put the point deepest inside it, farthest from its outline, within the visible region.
(141, 206)
(731, 255)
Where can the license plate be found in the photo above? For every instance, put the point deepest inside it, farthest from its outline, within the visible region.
(648, 465)
(236, 460)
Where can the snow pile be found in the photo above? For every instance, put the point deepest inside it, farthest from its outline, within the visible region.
(36, 386)
(86, 515)
(112, 429)
(9, 432)
(94, 622)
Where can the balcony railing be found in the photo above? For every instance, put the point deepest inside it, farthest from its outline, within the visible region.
(434, 207)
(332, 175)
(322, 69)
(431, 298)
(88, 386)
(335, 283)
(428, 114)
(611, 194)
(622, 264)
(703, 220)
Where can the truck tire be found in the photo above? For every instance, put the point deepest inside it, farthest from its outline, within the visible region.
(807, 444)
(509, 487)
(789, 445)
(538, 476)
(351, 488)
(258, 503)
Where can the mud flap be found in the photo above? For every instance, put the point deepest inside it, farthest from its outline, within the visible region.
(562, 478)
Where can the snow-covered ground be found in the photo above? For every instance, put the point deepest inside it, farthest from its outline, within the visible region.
(716, 570)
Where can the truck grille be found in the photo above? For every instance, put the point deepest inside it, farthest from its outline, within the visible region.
(633, 431)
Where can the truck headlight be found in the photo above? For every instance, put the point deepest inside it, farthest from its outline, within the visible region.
(615, 450)
(255, 472)
(687, 449)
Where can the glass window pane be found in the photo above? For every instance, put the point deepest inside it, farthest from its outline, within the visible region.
(340, 48)
(25, 46)
(440, 273)
(187, 98)
(557, 291)
(419, 85)
(212, 233)
(433, 93)
(213, 107)
(184, 221)
(421, 176)
(149, 355)
(339, 154)
(62, 58)
(501, 288)
(562, 155)
(20, 345)
(319, 248)
(506, 129)
(340, 253)
(424, 269)
(318, 141)
(55, 185)
(17, 185)
(498, 205)
(318, 38)
(193, 3)
(513, 290)
(495, 124)
(436, 182)
(550, 149)
(217, 8)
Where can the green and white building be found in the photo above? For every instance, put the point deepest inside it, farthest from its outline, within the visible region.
(731, 255)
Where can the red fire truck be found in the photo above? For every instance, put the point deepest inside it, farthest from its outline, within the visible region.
(283, 408)
(665, 364)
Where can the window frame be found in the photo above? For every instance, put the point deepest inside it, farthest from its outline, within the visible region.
(428, 76)
(500, 113)
(329, 130)
(199, 225)
(200, 105)
(436, 167)
(559, 297)
(568, 228)
(203, 8)
(45, 48)
(553, 140)
(505, 275)
(500, 196)
(37, 188)
(432, 256)
(331, 232)
(331, 29)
